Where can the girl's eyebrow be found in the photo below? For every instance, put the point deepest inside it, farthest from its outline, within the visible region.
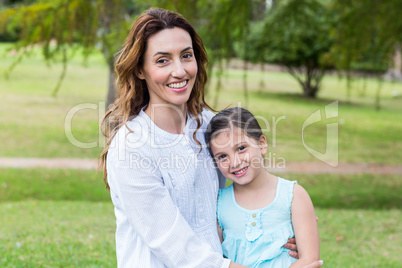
(240, 143)
(168, 53)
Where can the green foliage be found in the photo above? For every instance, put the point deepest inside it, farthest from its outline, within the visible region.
(61, 27)
(366, 33)
(56, 24)
(297, 36)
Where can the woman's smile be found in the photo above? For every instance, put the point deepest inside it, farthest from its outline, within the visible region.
(178, 86)
(170, 67)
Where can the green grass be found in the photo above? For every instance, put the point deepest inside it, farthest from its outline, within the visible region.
(81, 234)
(63, 218)
(33, 122)
(57, 234)
(360, 238)
(52, 184)
(363, 191)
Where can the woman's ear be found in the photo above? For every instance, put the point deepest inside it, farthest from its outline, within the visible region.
(140, 74)
(263, 144)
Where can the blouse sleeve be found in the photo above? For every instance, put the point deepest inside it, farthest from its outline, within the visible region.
(151, 212)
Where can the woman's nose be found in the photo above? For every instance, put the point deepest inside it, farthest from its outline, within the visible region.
(178, 70)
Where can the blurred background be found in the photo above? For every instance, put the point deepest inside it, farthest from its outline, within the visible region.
(284, 60)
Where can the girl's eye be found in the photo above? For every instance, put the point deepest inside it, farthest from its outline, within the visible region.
(241, 148)
(221, 157)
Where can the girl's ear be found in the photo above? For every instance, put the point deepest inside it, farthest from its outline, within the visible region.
(263, 145)
(140, 74)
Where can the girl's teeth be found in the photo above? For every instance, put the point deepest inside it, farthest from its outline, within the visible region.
(178, 85)
(241, 171)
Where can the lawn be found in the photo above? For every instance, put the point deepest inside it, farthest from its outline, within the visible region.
(333, 191)
(64, 218)
(35, 124)
(57, 234)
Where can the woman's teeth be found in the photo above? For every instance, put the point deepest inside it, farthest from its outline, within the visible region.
(240, 171)
(177, 85)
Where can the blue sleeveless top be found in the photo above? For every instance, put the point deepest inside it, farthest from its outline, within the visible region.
(254, 238)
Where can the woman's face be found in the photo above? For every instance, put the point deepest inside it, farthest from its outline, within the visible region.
(170, 67)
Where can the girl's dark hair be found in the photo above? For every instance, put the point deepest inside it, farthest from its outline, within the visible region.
(228, 119)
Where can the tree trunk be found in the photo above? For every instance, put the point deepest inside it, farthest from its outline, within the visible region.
(309, 90)
(111, 92)
(311, 84)
(395, 72)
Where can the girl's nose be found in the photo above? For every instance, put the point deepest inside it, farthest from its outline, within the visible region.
(236, 161)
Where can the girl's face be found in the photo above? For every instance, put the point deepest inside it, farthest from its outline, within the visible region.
(238, 156)
(170, 67)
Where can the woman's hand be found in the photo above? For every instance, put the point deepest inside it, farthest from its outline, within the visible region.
(291, 244)
(315, 264)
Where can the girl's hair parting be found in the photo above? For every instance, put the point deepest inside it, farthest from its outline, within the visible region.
(229, 119)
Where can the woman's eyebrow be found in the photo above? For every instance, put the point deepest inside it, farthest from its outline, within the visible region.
(168, 53)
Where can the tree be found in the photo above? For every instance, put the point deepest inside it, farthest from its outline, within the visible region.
(367, 34)
(296, 35)
(62, 27)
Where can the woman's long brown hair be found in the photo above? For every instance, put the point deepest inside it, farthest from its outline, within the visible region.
(132, 92)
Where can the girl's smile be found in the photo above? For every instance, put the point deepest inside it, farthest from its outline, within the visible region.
(240, 172)
(238, 156)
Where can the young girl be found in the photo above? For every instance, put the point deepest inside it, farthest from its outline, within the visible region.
(259, 211)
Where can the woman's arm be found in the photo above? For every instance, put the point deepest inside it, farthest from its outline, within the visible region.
(305, 227)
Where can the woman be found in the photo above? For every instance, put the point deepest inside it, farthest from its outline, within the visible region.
(162, 181)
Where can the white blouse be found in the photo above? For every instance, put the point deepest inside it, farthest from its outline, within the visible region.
(164, 192)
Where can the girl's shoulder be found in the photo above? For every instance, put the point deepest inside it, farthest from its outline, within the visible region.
(286, 191)
(225, 193)
(286, 183)
(225, 204)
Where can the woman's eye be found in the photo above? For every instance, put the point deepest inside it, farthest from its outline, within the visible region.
(161, 61)
(241, 148)
(187, 56)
